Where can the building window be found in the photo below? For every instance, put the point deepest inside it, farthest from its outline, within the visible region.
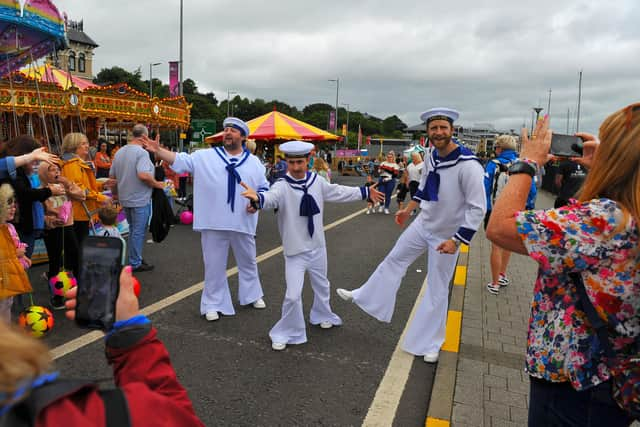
(81, 66)
(72, 61)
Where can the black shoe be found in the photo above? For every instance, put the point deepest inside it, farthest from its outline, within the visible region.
(143, 267)
(57, 302)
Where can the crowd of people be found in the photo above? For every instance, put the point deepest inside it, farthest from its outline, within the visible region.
(587, 250)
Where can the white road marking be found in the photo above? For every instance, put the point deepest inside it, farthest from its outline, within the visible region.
(88, 338)
(385, 403)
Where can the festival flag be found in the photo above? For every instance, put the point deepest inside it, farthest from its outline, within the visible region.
(174, 81)
(359, 137)
(422, 141)
(344, 130)
(369, 140)
(332, 120)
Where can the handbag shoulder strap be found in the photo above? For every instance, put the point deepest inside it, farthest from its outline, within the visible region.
(597, 323)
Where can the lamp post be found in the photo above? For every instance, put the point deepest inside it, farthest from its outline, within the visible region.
(151, 65)
(537, 110)
(346, 137)
(229, 93)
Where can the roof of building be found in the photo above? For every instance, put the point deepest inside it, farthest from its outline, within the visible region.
(80, 37)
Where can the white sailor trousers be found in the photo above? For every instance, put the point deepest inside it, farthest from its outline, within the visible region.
(215, 252)
(291, 328)
(377, 296)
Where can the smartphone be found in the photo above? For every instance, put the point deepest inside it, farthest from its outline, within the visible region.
(566, 145)
(101, 260)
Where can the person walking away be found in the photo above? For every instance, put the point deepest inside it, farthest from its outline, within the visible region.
(452, 205)
(133, 173)
(220, 215)
(495, 177)
(588, 254)
(300, 198)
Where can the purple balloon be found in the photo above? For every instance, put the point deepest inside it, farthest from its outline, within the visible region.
(186, 217)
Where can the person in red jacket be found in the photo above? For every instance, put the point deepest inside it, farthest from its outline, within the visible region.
(148, 392)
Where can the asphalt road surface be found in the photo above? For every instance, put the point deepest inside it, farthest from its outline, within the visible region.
(232, 375)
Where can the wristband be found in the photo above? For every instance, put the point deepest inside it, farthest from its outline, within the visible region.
(530, 162)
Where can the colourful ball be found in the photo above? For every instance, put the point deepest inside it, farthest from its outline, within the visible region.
(62, 282)
(36, 320)
(136, 286)
(186, 217)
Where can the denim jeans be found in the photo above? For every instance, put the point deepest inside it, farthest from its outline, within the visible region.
(138, 219)
(387, 189)
(558, 404)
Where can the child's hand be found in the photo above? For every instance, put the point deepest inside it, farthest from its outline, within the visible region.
(21, 251)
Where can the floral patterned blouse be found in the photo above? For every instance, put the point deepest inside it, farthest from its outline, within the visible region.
(581, 237)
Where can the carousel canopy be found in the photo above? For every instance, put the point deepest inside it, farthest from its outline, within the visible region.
(50, 74)
(276, 125)
(28, 32)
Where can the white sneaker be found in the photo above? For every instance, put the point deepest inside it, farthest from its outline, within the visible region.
(212, 316)
(386, 211)
(326, 325)
(431, 357)
(493, 288)
(503, 280)
(259, 304)
(380, 208)
(368, 211)
(278, 346)
(345, 294)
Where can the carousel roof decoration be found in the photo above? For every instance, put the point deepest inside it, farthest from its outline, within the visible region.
(279, 126)
(50, 74)
(28, 32)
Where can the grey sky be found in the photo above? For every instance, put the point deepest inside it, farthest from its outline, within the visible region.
(492, 60)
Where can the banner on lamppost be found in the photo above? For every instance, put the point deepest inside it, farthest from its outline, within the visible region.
(332, 120)
(422, 141)
(359, 136)
(369, 140)
(174, 81)
(344, 130)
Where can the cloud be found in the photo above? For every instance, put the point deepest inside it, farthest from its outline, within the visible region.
(492, 60)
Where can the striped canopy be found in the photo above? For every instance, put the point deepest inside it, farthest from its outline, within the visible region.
(276, 125)
(49, 73)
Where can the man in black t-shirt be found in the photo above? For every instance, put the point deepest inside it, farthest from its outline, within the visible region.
(569, 179)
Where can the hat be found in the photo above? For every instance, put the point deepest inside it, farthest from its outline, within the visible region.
(296, 148)
(440, 113)
(236, 123)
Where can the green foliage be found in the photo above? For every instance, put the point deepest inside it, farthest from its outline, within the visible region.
(206, 106)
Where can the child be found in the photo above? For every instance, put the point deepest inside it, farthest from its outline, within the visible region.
(13, 260)
(108, 217)
(300, 199)
(402, 190)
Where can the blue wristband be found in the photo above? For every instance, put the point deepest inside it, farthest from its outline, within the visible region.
(140, 319)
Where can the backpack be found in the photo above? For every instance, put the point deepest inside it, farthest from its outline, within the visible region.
(500, 178)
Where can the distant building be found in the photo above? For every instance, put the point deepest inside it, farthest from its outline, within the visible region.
(78, 58)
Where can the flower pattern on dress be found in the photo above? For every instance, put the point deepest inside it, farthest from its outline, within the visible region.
(587, 238)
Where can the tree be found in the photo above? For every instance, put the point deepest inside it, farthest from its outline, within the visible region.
(114, 75)
(393, 124)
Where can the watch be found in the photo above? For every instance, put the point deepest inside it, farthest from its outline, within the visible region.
(455, 240)
(522, 167)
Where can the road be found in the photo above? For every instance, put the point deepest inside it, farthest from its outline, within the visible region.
(228, 367)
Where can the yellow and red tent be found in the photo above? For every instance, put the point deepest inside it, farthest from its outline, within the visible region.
(50, 74)
(276, 125)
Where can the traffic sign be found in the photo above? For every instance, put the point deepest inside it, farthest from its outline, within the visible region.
(202, 128)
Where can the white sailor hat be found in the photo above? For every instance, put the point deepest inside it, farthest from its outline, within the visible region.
(236, 123)
(440, 113)
(296, 148)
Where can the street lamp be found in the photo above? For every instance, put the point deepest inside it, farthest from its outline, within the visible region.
(229, 93)
(537, 110)
(151, 65)
(346, 137)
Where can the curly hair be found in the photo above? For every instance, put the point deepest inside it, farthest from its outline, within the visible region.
(6, 192)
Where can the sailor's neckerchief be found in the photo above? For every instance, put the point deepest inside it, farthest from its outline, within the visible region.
(308, 205)
(430, 190)
(233, 176)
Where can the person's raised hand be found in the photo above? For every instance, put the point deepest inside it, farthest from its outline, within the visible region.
(375, 195)
(249, 192)
(151, 145)
(537, 148)
(589, 148)
(42, 155)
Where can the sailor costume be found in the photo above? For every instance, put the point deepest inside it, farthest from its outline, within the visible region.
(220, 216)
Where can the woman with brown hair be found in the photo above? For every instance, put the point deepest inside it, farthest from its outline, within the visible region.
(320, 167)
(75, 148)
(102, 161)
(594, 241)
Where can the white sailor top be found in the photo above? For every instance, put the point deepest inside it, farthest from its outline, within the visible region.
(217, 200)
(451, 194)
(300, 221)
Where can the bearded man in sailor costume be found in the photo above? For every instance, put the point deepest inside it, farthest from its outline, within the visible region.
(220, 215)
(299, 198)
(452, 204)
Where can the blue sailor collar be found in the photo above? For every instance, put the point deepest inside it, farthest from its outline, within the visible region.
(308, 205)
(432, 186)
(234, 178)
(307, 181)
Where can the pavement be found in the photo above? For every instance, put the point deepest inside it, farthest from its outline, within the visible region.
(480, 379)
